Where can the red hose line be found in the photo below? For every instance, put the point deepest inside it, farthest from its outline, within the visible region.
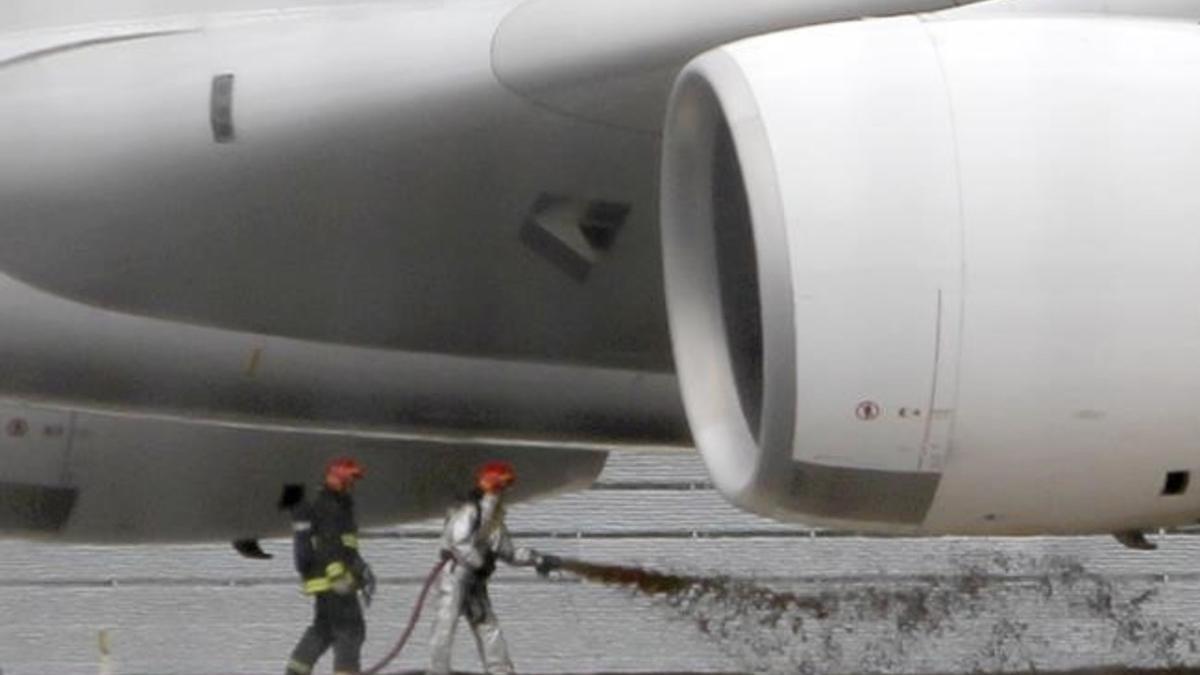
(412, 622)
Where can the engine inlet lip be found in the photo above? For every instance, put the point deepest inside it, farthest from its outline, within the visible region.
(745, 455)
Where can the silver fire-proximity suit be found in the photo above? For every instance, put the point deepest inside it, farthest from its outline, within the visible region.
(473, 539)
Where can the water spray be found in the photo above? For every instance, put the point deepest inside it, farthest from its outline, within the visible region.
(965, 621)
(644, 581)
(969, 619)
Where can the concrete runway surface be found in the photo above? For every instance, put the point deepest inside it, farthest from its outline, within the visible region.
(1114, 670)
(748, 596)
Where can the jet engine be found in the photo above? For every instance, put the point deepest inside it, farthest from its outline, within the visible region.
(942, 275)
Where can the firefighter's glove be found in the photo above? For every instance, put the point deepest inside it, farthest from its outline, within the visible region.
(547, 564)
(367, 584)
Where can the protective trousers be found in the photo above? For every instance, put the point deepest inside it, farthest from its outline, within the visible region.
(463, 593)
(337, 621)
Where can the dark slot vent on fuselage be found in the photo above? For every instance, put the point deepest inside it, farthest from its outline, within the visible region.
(1176, 482)
(573, 233)
(221, 108)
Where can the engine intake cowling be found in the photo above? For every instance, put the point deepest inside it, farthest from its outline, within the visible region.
(907, 260)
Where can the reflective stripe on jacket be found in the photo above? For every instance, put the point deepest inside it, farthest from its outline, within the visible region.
(336, 578)
(333, 539)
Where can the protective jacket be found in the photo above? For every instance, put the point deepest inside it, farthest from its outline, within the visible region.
(473, 538)
(475, 535)
(326, 544)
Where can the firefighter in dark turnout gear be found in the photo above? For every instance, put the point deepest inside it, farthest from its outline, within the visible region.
(325, 542)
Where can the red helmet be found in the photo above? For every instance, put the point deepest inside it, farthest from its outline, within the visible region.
(495, 476)
(341, 472)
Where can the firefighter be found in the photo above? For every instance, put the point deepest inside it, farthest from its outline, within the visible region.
(473, 539)
(325, 541)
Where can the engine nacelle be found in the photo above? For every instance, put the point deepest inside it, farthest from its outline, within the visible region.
(942, 276)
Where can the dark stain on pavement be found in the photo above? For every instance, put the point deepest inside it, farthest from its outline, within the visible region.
(990, 616)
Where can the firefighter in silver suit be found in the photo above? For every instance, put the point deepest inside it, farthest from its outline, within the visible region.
(474, 538)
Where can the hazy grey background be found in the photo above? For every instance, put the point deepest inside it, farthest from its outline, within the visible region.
(795, 600)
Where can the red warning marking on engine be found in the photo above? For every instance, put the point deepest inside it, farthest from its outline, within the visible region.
(17, 427)
(867, 411)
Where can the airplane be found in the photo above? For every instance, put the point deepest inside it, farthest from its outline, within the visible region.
(902, 266)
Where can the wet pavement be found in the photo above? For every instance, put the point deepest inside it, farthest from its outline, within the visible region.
(679, 583)
(1113, 670)
(973, 617)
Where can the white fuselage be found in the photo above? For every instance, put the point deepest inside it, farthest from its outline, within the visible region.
(238, 236)
(288, 227)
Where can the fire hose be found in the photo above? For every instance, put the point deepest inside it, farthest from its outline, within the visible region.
(412, 622)
(645, 580)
